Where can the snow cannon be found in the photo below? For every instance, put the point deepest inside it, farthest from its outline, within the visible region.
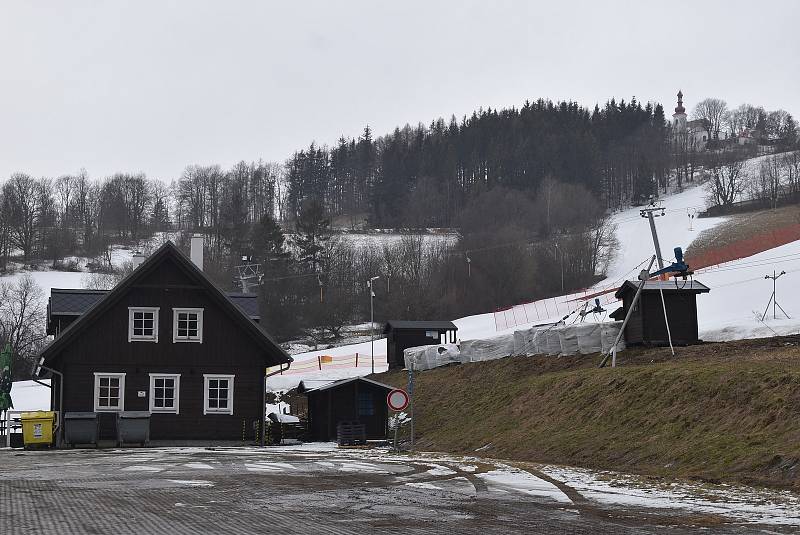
(597, 309)
(679, 268)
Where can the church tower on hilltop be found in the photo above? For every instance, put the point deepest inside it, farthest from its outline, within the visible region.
(679, 117)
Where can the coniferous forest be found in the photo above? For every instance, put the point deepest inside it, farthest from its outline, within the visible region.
(424, 175)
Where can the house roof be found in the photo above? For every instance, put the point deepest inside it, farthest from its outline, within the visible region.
(335, 384)
(689, 286)
(75, 302)
(168, 250)
(427, 325)
(618, 314)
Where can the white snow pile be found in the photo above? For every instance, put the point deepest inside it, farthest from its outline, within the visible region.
(30, 396)
(583, 338)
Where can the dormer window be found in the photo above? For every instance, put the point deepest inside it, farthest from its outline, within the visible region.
(142, 324)
(187, 325)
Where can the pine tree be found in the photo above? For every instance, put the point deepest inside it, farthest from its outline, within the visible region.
(267, 241)
(312, 234)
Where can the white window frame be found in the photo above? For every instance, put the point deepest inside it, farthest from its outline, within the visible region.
(229, 408)
(196, 340)
(96, 396)
(131, 337)
(175, 409)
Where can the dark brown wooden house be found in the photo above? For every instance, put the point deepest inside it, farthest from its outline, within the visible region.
(400, 335)
(646, 325)
(164, 340)
(348, 400)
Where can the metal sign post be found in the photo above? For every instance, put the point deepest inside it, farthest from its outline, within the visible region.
(411, 393)
(397, 400)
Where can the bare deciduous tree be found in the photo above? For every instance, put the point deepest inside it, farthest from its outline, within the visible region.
(22, 321)
(726, 182)
(712, 111)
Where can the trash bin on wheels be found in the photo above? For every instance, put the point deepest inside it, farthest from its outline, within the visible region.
(133, 427)
(37, 428)
(80, 428)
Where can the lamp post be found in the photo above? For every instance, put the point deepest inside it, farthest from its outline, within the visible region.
(372, 321)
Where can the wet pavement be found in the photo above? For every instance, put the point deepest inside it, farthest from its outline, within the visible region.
(319, 489)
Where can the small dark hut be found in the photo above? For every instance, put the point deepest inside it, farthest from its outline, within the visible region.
(400, 335)
(348, 400)
(646, 325)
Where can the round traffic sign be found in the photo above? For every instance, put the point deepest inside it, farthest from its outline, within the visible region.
(397, 399)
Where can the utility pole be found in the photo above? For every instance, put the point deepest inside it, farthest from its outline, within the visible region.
(774, 297)
(561, 262)
(372, 320)
(651, 212)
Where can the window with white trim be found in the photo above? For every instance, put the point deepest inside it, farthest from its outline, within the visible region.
(109, 392)
(187, 325)
(165, 392)
(142, 324)
(217, 394)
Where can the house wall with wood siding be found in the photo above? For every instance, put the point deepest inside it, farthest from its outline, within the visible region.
(226, 349)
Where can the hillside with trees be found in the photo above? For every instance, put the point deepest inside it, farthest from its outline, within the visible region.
(526, 193)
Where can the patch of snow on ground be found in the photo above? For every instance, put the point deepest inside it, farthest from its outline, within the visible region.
(262, 466)
(439, 470)
(763, 506)
(192, 482)
(199, 466)
(506, 478)
(429, 486)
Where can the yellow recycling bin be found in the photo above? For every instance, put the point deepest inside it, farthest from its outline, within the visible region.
(37, 427)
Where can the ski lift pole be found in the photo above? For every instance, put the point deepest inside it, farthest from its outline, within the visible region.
(666, 321)
(643, 276)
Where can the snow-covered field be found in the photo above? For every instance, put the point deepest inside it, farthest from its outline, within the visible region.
(48, 280)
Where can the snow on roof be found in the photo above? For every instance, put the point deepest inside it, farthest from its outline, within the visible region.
(333, 384)
(76, 301)
(283, 418)
(667, 286)
(432, 325)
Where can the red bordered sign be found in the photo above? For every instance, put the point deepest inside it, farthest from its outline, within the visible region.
(397, 399)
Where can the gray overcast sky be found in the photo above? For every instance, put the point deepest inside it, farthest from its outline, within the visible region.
(155, 85)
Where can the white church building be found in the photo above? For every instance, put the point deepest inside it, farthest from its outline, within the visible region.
(692, 135)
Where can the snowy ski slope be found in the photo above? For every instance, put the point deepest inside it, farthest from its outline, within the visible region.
(733, 309)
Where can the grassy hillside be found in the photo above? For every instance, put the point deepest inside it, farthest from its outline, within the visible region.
(728, 411)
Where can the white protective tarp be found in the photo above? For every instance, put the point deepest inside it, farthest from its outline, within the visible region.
(433, 356)
(487, 349)
(551, 342)
(609, 333)
(568, 339)
(589, 338)
(526, 342)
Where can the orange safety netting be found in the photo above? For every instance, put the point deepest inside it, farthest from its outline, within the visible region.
(759, 243)
(332, 362)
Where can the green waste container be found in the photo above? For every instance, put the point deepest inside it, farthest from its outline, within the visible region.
(80, 428)
(133, 427)
(37, 428)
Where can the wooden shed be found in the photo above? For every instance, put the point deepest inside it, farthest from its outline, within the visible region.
(646, 325)
(348, 400)
(400, 335)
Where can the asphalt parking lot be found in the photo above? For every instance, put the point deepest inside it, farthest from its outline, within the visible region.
(295, 490)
